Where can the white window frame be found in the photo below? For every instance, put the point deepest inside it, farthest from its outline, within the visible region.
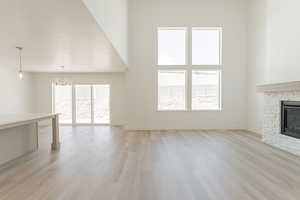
(74, 104)
(189, 67)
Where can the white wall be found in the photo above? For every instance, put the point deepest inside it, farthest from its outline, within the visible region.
(112, 16)
(283, 45)
(144, 18)
(43, 91)
(258, 71)
(16, 94)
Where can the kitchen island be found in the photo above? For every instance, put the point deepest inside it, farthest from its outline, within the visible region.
(19, 134)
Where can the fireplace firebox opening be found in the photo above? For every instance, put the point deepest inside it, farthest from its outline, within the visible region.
(290, 118)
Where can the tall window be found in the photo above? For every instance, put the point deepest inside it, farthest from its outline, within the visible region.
(63, 102)
(171, 46)
(197, 61)
(171, 90)
(82, 104)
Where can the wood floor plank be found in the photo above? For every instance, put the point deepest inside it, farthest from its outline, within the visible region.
(109, 163)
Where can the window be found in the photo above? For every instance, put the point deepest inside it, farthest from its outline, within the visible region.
(194, 81)
(171, 90)
(205, 90)
(83, 104)
(101, 104)
(171, 46)
(63, 102)
(206, 46)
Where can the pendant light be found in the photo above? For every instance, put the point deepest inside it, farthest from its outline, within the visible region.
(63, 81)
(20, 73)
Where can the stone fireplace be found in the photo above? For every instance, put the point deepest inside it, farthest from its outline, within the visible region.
(275, 95)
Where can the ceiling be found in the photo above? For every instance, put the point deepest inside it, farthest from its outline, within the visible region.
(54, 33)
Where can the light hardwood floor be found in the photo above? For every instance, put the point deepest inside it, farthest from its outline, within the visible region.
(105, 163)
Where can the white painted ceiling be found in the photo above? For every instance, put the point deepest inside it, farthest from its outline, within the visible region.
(54, 33)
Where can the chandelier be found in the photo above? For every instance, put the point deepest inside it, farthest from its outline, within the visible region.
(63, 81)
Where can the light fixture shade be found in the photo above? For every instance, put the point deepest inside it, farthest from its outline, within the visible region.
(20, 74)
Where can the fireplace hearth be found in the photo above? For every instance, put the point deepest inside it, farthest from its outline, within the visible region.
(290, 118)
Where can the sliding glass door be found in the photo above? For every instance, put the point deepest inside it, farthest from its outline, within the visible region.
(83, 104)
(101, 104)
(63, 103)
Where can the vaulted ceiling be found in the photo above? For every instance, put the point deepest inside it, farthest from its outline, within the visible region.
(54, 33)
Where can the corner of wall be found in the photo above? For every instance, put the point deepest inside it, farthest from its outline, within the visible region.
(256, 62)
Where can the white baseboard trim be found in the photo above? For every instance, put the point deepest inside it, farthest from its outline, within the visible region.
(181, 130)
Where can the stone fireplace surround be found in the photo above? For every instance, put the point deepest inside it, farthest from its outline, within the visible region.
(273, 95)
